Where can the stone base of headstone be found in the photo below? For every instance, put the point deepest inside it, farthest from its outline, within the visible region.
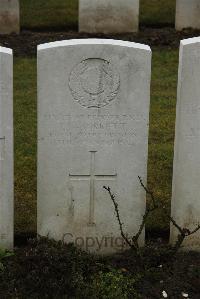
(108, 16)
(187, 14)
(9, 16)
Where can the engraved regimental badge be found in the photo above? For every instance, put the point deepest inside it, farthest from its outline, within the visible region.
(94, 83)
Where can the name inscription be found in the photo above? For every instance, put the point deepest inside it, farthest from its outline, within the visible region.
(94, 129)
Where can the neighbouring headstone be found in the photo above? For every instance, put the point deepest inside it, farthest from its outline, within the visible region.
(9, 16)
(93, 114)
(108, 16)
(187, 14)
(6, 148)
(186, 172)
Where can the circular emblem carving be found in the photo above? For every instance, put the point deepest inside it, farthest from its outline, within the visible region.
(94, 83)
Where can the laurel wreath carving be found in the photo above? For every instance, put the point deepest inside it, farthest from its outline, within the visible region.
(107, 89)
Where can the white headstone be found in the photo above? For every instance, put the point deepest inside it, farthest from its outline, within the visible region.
(93, 111)
(6, 148)
(108, 16)
(186, 173)
(9, 16)
(187, 14)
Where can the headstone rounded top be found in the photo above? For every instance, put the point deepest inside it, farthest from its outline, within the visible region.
(6, 50)
(189, 41)
(93, 41)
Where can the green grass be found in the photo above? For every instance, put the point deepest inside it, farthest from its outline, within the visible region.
(162, 126)
(63, 14)
(25, 144)
(157, 12)
(162, 118)
(37, 14)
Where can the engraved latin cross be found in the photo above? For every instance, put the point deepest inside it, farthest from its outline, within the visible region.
(92, 177)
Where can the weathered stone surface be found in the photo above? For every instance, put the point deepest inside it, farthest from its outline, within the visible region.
(6, 148)
(186, 173)
(187, 14)
(108, 16)
(93, 111)
(9, 16)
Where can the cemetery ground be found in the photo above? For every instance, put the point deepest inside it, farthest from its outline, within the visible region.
(56, 270)
(162, 120)
(46, 269)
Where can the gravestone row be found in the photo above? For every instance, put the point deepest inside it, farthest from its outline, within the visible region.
(9, 16)
(187, 14)
(108, 16)
(105, 16)
(93, 115)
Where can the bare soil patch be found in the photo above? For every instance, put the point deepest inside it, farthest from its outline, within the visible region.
(49, 269)
(26, 43)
